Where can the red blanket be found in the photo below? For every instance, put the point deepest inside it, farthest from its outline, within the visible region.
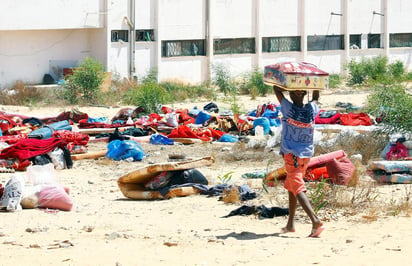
(28, 148)
(184, 131)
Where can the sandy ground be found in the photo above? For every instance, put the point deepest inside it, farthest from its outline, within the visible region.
(105, 228)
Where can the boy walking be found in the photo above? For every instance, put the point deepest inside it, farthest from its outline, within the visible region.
(296, 148)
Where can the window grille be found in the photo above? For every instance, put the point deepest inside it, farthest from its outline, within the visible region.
(374, 41)
(183, 48)
(120, 35)
(234, 46)
(145, 36)
(280, 44)
(325, 42)
(355, 41)
(400, 40)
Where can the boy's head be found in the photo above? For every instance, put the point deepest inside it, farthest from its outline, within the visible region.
(297, 96)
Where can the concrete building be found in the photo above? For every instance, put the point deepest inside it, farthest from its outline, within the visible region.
(185, 39)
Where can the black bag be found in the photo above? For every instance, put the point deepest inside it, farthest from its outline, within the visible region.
(211, 107)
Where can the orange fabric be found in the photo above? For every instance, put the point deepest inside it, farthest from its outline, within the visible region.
(317, 174)
(294, 180)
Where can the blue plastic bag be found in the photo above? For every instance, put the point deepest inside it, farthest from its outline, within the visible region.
(160, 139)
(228, 138)
(124, 149)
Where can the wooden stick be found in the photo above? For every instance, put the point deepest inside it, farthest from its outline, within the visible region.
(89, 155)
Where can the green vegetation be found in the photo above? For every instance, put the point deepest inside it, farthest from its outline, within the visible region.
(84, 84)
(376, 70)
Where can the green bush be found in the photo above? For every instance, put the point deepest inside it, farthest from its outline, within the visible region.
(149, 96)
(151, 76)
(334, 80)
(376, 70)
(84, 83)
(223, 80)
(179, 91)
(392, 105)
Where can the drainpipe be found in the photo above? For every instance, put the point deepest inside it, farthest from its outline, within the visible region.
(209, 41)
(304, 37)
(258, 37)
(385, 28)
(132, 34)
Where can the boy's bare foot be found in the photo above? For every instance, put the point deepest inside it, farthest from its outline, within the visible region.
(316, 231)
(285, 230)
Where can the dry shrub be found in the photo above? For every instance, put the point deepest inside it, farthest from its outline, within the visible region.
(22, 95)
(241, 152)
(231, 195)
(369, 144)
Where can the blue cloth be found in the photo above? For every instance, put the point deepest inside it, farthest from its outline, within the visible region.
(160, 140)
(228, 138)
(46, 131)
(298, 125)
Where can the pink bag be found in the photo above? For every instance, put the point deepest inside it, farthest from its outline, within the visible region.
(340, 171)
(55, 197)
(397, 151)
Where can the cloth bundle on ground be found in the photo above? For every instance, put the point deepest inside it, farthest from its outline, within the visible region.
(73, 115)
(327, 117)
(355, 119)
(46, 131)
(28, 148)
(262, 211)
(171, 178)
(6, 123)
(184, 131)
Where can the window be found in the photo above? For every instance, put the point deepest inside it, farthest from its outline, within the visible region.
(120, 35)
(325, 42)
(183, 48)
(280, 44)
(400, 40)
(355, 41)
(234, 46)
(145, 36)
(374, 41)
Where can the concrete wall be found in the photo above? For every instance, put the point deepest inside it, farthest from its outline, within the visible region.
(38, 35)
(28, 55)
(51, 14)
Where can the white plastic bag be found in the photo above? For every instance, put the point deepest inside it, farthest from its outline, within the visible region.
(41, 174)
(12, 194)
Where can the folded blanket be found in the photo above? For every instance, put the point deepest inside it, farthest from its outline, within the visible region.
(46, 131)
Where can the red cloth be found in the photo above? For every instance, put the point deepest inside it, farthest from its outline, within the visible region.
(28, 148)
(334, 119)
(77, 138)
(11, 139)
(317, 174)
(84, 124)
(397, 152)
(352, 119)
(206, 134)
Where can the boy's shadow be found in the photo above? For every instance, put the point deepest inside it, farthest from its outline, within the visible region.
(251, 236)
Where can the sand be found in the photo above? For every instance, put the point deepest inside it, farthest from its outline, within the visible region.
(105, 228)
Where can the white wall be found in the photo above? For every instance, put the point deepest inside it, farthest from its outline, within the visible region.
(182, 20)
(361, 17)
(319, 18)
(232, 19)
(51, 14)
(185, 69)
(280, 18)
(26, 55)
(400, 18)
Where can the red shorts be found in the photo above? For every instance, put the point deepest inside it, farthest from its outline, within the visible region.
(294, 180)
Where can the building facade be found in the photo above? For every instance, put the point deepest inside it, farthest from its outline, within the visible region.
(185, 39)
